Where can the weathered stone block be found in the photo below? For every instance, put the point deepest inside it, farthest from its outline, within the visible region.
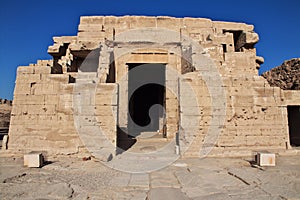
(33, 160)
(265, 159)
(197, 22)
(28, 78)
(22, 88)
(171, 23)
(25, 70)
(42, 69)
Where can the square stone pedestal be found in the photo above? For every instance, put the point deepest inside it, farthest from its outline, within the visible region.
(265, 159)
(33, 160)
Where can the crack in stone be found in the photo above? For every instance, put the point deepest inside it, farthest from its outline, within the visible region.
(236, 176)
(11, 179)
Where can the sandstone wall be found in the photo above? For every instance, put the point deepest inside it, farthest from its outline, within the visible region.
(223, 74)
(42, 116)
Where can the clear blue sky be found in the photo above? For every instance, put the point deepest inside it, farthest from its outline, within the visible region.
(27, 26)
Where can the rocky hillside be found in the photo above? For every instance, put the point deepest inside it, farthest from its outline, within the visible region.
(5, 110)
(285, 76)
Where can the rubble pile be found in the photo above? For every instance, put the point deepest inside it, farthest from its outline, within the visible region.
(285, 76)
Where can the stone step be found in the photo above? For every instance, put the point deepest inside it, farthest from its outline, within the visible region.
(149, 142)
(149, 136)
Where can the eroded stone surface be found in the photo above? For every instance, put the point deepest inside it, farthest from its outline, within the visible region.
(209, 178)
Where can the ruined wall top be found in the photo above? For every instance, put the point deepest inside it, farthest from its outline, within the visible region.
(161, 21)
(94, 29)
(5, 101)
(225, 42)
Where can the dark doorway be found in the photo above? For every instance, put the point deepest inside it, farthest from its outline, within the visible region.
(146, 97)
(294, 125)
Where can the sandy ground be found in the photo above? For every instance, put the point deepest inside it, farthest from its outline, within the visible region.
(209, 178)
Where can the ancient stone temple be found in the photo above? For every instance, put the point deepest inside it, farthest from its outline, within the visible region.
(126, 81)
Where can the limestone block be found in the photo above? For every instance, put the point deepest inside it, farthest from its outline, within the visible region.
(54, 49)
(112, 20)
(141, 22)
(292, 97)
(169, 22)
(106, 110)
(190, 110)
(91, 35)
(106, 121)
(61, 78)
(46, 88)
(90, 27)
(205, 120)
(106, 100)
(28, 78)
(66, 108)
(197, 22)
(145, 58)
(64, 39)
(18, 109)
(240, 61)
(190, 100)
(107, 88)
(232, 141)
(33, 160)
(29, 99)
(171, 103)
(22, 88)
(44, 63)
(232, 92)
(66, 88)
(42, 69)
(41, 109)
(265, 141)
(223, 39)
(264, 91)
(4, 142)
(82, 110)
(265, 102)
(92, 19)
(243, 100)
(190, 121)
(204, 101)
(51, 99)
(232, 26)
(25, 70)
(194, 82)
(265, 159)
(251, 38)
(63, 117)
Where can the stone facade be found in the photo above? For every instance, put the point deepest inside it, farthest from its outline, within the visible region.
(213, 93)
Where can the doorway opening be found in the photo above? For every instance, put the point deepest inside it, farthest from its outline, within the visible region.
(146, 98)
(294, 125)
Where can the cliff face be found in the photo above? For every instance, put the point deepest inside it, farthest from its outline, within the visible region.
(285, 76)
(5, 110)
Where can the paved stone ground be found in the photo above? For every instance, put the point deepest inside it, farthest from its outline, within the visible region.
(209, 178)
